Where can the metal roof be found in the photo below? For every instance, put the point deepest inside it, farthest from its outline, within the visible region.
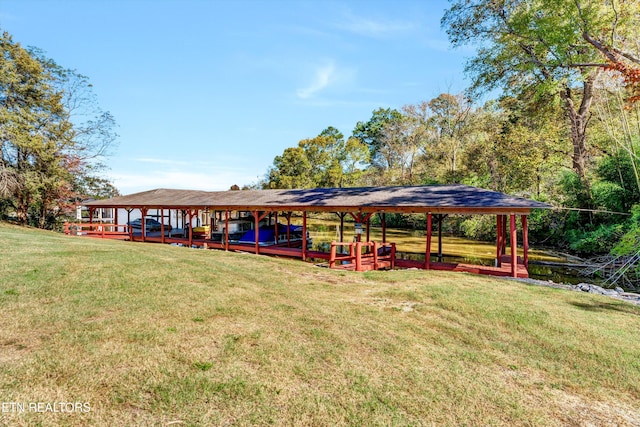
(425, 198)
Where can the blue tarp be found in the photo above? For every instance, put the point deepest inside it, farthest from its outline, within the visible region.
(267, 234)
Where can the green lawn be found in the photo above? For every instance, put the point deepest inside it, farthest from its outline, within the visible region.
(158, 335)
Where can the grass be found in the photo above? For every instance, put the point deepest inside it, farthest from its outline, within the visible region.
(160, 335)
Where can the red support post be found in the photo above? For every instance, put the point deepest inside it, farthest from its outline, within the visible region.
(162, 225)
(358, 256)
(514, 246)
(525, 240)
(504, 234)
(383, 220)
(393, 256)
(375, 256)
(226, 230)
(190, 213)
(143, 224)
(257, 230)
(288, 214)
(427, 254)
(332, 256)
(499, 237)
(304, 235)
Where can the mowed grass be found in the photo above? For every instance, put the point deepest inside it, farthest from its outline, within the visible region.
(160, 335)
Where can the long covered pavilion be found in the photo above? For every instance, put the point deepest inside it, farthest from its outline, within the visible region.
(435, 201)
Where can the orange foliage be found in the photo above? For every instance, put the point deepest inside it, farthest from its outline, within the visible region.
(631, 77)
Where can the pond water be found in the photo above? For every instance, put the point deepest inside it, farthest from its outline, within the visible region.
(411, 244)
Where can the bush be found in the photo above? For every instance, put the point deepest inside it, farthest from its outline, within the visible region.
(629, 243)
(601, 240)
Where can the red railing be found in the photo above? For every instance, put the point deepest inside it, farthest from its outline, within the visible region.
(381, 255)
(97, 229)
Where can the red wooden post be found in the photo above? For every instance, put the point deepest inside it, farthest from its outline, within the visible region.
(288, 229)
(358, 256)
(375, 256)
(143, 224)
(304, 235)
(504, 234)
(226, 230)
(257, 231)
(115, 219)
(128, 224)
(383, 220)
(190, 213)
(440, 218)
(332, 256)
(525, 240)
(393, 256)
(499, 237)
(352, 250)
(162, 224)
(514, 247)
(427, 254)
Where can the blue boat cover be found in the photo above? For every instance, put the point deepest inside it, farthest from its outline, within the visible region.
(267, 234)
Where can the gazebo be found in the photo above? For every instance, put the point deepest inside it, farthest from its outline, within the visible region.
(435, 201)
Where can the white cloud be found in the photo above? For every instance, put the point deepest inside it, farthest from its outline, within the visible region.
(324, 76)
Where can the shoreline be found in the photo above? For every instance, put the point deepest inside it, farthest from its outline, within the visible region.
(617, 293)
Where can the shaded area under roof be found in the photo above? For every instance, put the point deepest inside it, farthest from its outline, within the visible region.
(425, 198)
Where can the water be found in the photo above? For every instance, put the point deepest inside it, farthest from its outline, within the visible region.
(411, 244)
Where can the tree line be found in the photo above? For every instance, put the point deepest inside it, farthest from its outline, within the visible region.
(565, 128)
(52, 137)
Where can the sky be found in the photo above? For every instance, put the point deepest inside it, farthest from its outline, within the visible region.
(206, 93)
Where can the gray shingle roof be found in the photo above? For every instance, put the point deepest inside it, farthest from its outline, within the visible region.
(426, 198)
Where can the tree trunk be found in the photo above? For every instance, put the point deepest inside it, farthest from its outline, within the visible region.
(579, 120)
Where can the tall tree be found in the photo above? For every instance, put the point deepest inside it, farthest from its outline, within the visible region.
(290, 170)
(541, 44)
(370, 132)
(44, 148)
(450, 118)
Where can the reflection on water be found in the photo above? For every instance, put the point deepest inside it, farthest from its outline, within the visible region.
(410, 244)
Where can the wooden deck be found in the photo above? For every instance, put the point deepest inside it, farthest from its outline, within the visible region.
(351, 261)
(503, 271)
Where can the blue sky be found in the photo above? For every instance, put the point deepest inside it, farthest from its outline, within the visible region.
(207, 93)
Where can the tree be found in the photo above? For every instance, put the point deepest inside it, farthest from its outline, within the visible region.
(539, 44)
(370, 132)
(617, 45)
(356, 158)
(315, 162)
(45, 149)
(450, 120)
(290, 170)
(402, 144)
(325, 153)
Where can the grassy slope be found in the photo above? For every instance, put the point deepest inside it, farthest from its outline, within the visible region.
(157, 335)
